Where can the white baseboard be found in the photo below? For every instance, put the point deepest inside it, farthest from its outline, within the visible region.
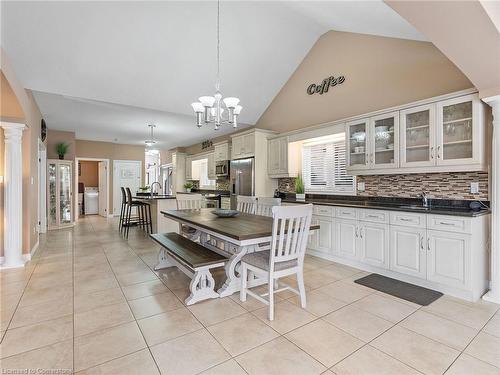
(29, 256)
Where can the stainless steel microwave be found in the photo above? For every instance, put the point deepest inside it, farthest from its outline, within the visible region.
(222, 168)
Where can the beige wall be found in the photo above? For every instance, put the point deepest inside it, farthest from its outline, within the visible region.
(57, 136)
(31, 117)
(111, 151)
(463, 30)
(379, 73)
(89, 173)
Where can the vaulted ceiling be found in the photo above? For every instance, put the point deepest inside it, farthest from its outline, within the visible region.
(107, 69)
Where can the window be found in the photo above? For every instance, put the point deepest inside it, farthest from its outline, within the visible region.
(200, 172)
(324, 166)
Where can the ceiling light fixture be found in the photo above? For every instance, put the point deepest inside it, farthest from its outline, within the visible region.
(209, 108)
(150, 142)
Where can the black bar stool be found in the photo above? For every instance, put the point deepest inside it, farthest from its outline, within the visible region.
(143, 218)
(122, 209)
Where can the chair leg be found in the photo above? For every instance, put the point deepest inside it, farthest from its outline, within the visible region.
(243, 277)
(271, 297)
(121, 218)
(142, 219)
(129, 212)
(302, 289)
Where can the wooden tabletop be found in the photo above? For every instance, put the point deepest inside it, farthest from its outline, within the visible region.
(241, 227)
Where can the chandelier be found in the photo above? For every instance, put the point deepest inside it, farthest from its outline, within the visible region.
(209, 108)
(151, 141)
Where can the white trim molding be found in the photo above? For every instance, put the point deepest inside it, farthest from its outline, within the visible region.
(13, 195)
(493, 295)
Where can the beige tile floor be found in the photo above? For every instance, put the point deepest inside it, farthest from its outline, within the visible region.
(90, 303)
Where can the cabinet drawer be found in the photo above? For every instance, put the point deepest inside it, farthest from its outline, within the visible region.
(375, 216)
(408, 219)
(323, 210)
(449, 223)
(346, 213)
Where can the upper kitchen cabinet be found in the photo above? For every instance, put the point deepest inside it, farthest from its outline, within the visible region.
(243, 146)
(431, 135)
(221, 151)
(459, 131)
(189, 168)
(211, 166)
(283, 158)
(357, 137)
(418, 136)
(383, 141)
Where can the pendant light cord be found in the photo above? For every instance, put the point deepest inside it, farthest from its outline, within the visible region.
(218, 45)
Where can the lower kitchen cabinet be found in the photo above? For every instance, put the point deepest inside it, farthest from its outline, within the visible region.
(322, 239)
(346, 235)
(448, 258)
(374, 244)
(408, 254)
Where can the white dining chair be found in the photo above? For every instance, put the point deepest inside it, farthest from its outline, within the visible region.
(246, 204)
(189, 202)
(286, 257)
(265, 205)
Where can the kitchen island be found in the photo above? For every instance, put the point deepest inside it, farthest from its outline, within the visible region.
(159, 203)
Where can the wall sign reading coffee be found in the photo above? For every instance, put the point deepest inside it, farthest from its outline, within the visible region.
(323, 87)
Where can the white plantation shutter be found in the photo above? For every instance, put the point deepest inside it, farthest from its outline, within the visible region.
(323, 168)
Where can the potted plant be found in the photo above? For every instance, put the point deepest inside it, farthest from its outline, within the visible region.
(144, 189)
(299, 188)
(188, 186)
(62, 149)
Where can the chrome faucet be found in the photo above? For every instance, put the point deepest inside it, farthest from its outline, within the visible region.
(152, 187)
(425, 199)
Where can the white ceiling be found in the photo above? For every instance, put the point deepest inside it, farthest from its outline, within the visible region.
(157, 57)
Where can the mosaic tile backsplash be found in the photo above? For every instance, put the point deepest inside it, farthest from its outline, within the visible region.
(449, 185)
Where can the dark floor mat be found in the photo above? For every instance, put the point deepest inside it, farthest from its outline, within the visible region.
(400, 289)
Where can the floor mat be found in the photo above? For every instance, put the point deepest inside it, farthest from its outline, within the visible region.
(400, 289)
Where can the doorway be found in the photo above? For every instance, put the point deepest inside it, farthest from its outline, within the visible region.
(92, 186)
(126, 173)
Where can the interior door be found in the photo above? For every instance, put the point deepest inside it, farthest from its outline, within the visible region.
(126, 173)
(103, 188)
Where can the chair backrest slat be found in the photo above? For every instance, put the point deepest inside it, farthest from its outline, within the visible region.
(290, 233)
(189, 201)
(246, 204)
(129, 195)
(265, 205)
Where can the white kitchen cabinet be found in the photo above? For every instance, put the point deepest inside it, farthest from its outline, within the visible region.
(346, 235)
(243, 146)
(448, 258)
(189, 168)
(418, 136)
(221, 152)
(283, 158)
(312, 241)
(373, 239)
(407, 251)
(357, 144)
(211, 167)
(325, 234)
(383, 141)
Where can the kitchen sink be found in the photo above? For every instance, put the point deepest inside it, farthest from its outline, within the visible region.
(415, 207)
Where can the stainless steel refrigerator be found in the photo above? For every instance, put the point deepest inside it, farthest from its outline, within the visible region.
(242, 180)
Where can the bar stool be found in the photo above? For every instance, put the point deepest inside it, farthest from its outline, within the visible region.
(143, 214)
(122, 209)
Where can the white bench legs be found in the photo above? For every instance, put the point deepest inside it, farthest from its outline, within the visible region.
(202, 286)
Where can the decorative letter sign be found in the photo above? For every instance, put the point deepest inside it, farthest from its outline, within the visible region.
(325, 85)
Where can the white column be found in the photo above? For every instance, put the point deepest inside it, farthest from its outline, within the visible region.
(13, 198)
(493, 294)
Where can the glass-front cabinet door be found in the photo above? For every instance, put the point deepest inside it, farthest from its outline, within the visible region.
(418, 136)
(60, 193)
(384, 141)
(458, 131)
(357, 141)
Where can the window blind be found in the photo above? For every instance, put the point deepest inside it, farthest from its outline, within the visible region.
(324, 168)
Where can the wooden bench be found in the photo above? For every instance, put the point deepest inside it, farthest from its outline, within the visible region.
(194, 260)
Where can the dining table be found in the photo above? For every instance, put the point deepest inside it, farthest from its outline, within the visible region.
(232, 237)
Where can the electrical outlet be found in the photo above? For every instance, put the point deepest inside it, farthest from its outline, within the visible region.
(474, 187)
(361, 186)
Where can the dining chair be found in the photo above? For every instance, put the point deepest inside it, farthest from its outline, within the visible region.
(265, 205)
(246, 204)
(288, 246)
(189, 202)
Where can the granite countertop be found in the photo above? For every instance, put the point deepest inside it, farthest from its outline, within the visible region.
(436, 206)
(154, 198)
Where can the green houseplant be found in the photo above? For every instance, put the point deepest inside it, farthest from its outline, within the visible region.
(299, 188)
(188, 186)
(62, 149)
(144, 188)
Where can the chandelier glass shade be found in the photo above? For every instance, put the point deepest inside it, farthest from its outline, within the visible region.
(210, 109)
(151, 141)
